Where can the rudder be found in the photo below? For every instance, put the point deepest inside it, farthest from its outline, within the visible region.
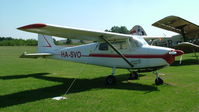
(45, 43)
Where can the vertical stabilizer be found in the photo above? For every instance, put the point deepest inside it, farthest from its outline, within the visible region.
(45, 43)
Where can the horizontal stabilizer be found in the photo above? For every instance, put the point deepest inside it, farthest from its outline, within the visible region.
(35, 55)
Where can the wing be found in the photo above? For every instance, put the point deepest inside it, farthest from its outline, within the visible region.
(178, 25)
(187, 47)
(154, 37)
(35, 55)
(73, 33)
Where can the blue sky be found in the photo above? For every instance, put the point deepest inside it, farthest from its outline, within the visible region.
(92, 14)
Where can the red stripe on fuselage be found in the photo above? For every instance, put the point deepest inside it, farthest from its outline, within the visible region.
(167, 57)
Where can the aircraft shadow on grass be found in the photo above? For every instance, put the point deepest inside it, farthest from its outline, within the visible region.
(58, 90)
(186, 62)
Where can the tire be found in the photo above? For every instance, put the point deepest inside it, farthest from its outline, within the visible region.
(110, 80)
(133, 76)
(159, 81)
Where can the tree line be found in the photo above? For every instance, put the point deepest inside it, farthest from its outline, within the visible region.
(9, 41)
(119, 29)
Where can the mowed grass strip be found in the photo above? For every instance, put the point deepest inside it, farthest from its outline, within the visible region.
(27, 85)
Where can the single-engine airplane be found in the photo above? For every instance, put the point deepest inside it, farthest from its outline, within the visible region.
(112, 50)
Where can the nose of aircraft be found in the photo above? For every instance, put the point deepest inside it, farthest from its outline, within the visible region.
(179, 52)
(176, 52)
(170, 57)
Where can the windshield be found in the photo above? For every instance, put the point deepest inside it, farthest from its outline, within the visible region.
(139, 41)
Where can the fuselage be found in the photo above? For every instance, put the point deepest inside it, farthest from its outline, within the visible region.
(138, 52)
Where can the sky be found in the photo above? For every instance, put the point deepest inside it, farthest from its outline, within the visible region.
(92, 14)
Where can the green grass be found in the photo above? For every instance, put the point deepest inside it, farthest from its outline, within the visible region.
(27, 85)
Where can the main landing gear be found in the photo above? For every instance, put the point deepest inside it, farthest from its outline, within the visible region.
(133, 75)
(158, 80)
(111, 80)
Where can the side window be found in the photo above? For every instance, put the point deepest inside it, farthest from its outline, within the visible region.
(103, 46)
(120, 45)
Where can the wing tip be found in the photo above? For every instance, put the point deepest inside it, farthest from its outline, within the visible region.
(32, 26)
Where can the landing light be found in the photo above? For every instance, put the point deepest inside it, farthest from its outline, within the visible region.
(176, 52)
(172, 53)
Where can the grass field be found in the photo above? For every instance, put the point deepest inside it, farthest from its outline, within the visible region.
(27, 85)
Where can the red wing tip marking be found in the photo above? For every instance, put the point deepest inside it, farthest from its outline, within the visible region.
(37, 25)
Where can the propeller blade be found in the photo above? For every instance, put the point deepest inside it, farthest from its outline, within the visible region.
(181, 59)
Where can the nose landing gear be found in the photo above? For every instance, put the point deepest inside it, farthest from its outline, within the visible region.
(158, 80)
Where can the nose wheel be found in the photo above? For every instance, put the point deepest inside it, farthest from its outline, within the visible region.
(158, 80)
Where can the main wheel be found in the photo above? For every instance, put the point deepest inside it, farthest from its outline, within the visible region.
(133, 76)
(159, 81)
(110, 80)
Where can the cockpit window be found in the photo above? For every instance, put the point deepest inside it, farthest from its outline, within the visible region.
(120, 44)
(138, 41)
(103, 46)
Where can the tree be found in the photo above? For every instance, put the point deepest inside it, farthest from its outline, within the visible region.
(68, 41)
(117, 29)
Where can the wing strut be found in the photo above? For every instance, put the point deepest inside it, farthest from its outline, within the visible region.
(117, 51)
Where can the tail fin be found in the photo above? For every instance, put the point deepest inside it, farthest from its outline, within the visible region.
(137, 30)
(45, 43)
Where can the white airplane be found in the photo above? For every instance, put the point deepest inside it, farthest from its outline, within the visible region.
(112, 50)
